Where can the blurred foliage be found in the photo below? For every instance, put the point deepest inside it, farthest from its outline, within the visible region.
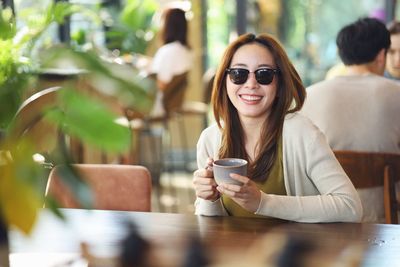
(77, 115)
(308, 30)
(131, 29)
(220, 26)
(123, 82)
(21, 193)
(17, 48)
(79, 37)
(292, 25)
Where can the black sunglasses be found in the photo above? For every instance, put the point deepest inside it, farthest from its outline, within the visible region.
(263, 75)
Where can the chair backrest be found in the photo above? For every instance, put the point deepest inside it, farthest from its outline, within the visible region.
(174, 93)
(367, 169)
(114, 187)
(32, 111)
(29, 123)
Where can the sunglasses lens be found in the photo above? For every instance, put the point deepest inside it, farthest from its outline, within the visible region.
(264, 76)
(238, 76)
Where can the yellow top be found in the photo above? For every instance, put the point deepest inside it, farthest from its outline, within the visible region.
(273, 185)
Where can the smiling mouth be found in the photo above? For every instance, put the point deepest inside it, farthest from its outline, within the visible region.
(250, 97)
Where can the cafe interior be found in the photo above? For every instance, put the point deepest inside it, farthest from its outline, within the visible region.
(91, 175)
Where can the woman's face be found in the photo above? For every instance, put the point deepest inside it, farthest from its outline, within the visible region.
(252, 99)
(393, 56)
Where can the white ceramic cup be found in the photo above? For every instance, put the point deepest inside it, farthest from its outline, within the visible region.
(222, 169)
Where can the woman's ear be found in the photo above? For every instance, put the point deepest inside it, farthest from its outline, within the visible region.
(382, 55)
(380, 60)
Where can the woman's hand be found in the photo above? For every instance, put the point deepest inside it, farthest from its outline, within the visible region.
(248, 196)
(204, 183)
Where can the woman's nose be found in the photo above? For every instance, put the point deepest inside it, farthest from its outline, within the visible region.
(251, 80)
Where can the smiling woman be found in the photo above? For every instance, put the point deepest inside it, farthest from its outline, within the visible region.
(292, 172)
(245, 94)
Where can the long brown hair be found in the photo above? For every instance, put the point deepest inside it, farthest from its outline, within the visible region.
(290, 95)
(175, 26)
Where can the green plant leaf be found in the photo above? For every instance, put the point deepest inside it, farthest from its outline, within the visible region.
(7, 24)
(123, 82)
(21, 186)
(133, 27)
(90, 121)
(22, 181)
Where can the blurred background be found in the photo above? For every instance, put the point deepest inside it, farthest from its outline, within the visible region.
(126, 32)
(307, 28)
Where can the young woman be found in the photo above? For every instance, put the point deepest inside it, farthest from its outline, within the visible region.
(174, 57)
(292, 173)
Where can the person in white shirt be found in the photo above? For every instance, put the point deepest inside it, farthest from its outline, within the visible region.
(174, 57)
(292, 172)
(360, 110)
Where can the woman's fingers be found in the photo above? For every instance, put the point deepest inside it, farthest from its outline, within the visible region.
(234, 190)
(231, 190)
(204, 181)
(207, 192)
(239, 178)
(247, 195)
(210, 162)
(205, 187)
(230, 187)
(203, 173)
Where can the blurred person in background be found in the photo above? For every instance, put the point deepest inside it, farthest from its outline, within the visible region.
(174, 57)
(339, 69)
(360, 110)
(393, 55)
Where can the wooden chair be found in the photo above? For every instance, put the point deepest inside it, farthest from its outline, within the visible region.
(198, 108)
(154, 142)
(114, 187)
(366, 170)
(194, 108)
(143, 125)
(174, 94)
(29, 123)
(33, 109)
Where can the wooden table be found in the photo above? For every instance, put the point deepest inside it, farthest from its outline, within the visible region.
(224, 238)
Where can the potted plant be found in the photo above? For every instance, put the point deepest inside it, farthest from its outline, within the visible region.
(21, 179)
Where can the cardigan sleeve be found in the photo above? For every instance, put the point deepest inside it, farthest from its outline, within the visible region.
(318, 188)
(207, 147)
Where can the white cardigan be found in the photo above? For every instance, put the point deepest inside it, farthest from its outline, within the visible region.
(318, 190)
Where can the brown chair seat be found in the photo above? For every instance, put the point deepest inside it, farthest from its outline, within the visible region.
(114, 187)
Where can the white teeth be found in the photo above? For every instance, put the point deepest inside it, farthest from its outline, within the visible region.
(250, 97)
